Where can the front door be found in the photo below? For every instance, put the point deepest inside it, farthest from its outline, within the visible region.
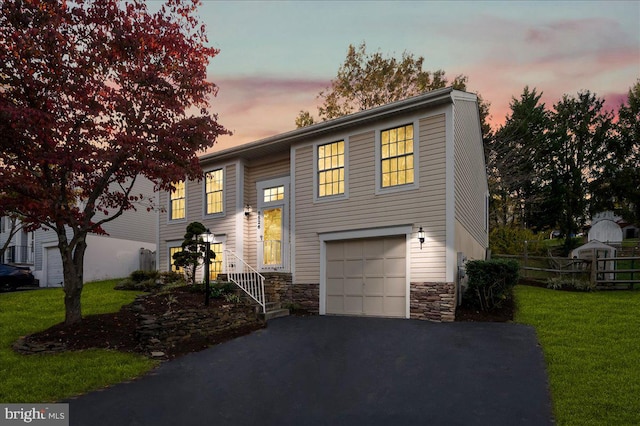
(273, 224)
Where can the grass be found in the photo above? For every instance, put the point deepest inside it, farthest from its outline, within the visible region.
(590, 343)
(48, 378)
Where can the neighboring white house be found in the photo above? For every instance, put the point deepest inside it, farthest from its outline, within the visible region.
(108, 256)
(332, 213)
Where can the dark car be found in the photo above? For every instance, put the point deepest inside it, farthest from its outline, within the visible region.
(12, 277)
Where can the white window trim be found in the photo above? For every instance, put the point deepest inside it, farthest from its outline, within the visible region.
(186, 206)
(223, 213)
(416, 157)
(328, 198)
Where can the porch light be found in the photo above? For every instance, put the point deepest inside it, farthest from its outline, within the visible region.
(207, 238)
(247, 210)
(421, 237)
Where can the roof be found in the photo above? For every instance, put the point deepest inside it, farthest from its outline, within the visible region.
(282, 142)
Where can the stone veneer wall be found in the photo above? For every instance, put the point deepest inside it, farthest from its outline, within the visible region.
(433, 301)
(160, 333)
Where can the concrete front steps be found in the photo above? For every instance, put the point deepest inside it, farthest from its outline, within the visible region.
(274, 310)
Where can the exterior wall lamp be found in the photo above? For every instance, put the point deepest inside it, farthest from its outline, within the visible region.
(207, 238)
(421, 237)
(247, 210)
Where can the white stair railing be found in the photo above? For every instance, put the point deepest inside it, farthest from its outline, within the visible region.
(245, 277)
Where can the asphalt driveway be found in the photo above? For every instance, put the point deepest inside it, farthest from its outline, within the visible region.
(341, 371)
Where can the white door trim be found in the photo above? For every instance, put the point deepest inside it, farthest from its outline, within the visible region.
(284, 203)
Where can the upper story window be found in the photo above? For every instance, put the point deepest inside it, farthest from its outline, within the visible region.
(396, 156)
(331, 169)
(177, 204)
(273, 194)
(214, 191)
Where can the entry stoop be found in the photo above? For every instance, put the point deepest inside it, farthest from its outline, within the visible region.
(274, 310)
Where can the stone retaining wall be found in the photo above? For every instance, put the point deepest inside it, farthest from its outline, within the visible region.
(159, 334)
(433, 301)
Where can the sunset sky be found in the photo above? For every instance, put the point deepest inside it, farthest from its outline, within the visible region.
(276, 56)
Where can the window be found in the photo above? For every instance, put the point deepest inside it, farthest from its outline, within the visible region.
(178, 201)
(214, 191)
(172, 267)
(215, 266)
(331, 169)
(273, 194)
(397, 162)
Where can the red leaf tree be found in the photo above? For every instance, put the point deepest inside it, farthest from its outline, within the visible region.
(95, 94)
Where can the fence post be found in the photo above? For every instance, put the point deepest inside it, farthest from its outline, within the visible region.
(594, 267)
(526, 258)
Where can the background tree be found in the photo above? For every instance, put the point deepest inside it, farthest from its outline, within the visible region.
(575, 155)
(193, 251)
(514, 153)
(366, 80)
(618, 187)
(94, 94)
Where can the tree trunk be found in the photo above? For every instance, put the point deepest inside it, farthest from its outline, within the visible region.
(73, 269)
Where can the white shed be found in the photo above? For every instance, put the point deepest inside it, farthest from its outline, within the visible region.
(599, 250)
(606, 230)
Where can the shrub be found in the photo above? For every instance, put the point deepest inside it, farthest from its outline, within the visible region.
(140, 276)
(510, 240)
(148, 280)
(490, 283)
(566, 283)
(220, 289)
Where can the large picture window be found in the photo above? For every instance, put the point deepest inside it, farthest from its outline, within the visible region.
(178, 201)
(214, 191)
(331, 169)
(397, 160)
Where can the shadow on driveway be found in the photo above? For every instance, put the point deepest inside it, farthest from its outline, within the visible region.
(341, 371)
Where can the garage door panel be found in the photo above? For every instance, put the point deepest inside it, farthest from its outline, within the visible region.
(335, 304)
(395, 286)
(394, 306)
(353, 287)
(335, 268)
(335, 251)
(395, 247)
(353, 249)
(395, 267)
(374, 287)
(353, 268)
(335, 286)
(374, 249)
(54, 273)
(353, 305)
(374, 306)
(374, 268)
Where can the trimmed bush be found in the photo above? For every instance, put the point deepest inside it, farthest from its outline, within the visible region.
(490, 283)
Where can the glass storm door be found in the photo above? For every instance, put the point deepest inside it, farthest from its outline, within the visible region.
(273, 232)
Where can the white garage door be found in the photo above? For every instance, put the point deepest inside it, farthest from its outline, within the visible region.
(54, 267)
(367, 277)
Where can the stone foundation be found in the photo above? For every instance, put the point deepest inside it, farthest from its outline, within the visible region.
(433, 301)
(307, 296)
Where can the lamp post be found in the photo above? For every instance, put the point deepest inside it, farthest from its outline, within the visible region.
(207, 238)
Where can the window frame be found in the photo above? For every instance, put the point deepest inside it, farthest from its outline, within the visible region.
(205, 203)
(416, 158)
(170, 205)
(317, 198)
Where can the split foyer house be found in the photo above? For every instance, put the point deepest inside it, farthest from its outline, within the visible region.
(368, 214)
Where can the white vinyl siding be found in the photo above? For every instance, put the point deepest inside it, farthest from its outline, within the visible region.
(424, 206)
(470, 175)
(221, 225)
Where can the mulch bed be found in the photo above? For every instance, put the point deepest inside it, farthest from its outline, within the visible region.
(117, 330)
(504, 314)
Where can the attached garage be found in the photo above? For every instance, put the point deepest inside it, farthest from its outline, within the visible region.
(367, 277)
(53, 267)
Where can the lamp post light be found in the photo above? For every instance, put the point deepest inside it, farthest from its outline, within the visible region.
(207, 238)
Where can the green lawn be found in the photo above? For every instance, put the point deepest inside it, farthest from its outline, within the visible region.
(591, 344)
(47, 378)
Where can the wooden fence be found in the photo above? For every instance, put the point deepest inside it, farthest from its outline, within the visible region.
(610, 273)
